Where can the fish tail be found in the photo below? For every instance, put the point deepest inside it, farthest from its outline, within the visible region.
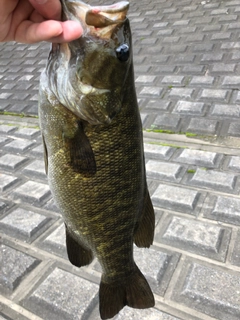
(135, 293)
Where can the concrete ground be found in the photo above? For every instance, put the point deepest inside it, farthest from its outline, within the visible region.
(186, 56)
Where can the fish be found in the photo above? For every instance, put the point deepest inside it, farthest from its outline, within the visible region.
(93, 152)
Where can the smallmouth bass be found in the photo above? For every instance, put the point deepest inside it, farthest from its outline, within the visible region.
(93, 151)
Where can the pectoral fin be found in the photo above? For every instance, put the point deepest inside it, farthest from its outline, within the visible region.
(82, 158)
(45, 154)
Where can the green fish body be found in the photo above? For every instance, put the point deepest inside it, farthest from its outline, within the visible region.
(92, 136)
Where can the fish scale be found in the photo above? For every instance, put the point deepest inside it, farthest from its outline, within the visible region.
(94, 155)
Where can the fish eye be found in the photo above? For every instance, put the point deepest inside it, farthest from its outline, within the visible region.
(123, 52)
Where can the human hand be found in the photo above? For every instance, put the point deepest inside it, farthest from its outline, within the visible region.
(30, 21)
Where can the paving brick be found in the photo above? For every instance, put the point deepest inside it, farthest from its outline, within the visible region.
(167, 122)
(37, 168)
(184, 58)
(164, 171)
(199, 158)
(38, 151)
(56, 242)
(230, 45)
(212, 291)
(181, 93)
(214, 180)
(193, 69)
(234, 163)
(11, 161)
(15, 265)
(145, 79)
(154, 151)
(226, 110)
(32, 192)
(224, 209)
(7, 129)
(157, 267)
(18, 146)
(202, 80)
(234, 129)
(214, 94)
(158, 104)
(235, 256)
(176, 198)
(234, 25)
(204, 126)
(144, 314)
(203, 47)
(231, 81)
(221, 36)
(23, 224)
(28, 133)
(210, 57)
(7, 181)
(211, 28)
(153, 91)
(174, 80)
(63, 295)
(195, 236)
(189, 108)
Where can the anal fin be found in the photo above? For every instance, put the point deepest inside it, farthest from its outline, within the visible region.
(78, 254)
(144, 234)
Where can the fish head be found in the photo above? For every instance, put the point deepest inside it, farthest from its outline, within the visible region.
(97, 64)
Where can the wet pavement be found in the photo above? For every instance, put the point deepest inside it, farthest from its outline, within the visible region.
(187, 77)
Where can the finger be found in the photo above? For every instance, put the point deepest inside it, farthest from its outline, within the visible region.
(49, 9)
(29, 32)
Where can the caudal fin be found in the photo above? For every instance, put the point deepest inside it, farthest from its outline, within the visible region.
(135, 293)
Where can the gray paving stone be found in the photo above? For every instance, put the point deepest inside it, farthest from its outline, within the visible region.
(204, 126)
(38, 151)
(199, 158)
(224, 209)
(234, 129)
(158, 104)
(176, 198)
(37, 168)
(18, 146)
(154, 151)
(166, 121)
(63, 295)
(224, 68)
(145, 79)
(210, 57)
(153, 91)
(32, 192)
(195, 236)
(23, 224)
(164, 170)
(214, 180)
(214, 94)
(226, 110)
(145, 314)
(28, 133)
(193, 69)
(157, 267)
(174, 80)
(188, 107)
(209, 290)
(235, 256)
(202, 81)
(11, 161)
(234, 163)
(7, 181)
(181, 93)
(231, 81)
(56, 242)
(7, 129)
(14, 266)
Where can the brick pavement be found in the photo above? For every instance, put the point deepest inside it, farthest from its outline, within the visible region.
(187, 77)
